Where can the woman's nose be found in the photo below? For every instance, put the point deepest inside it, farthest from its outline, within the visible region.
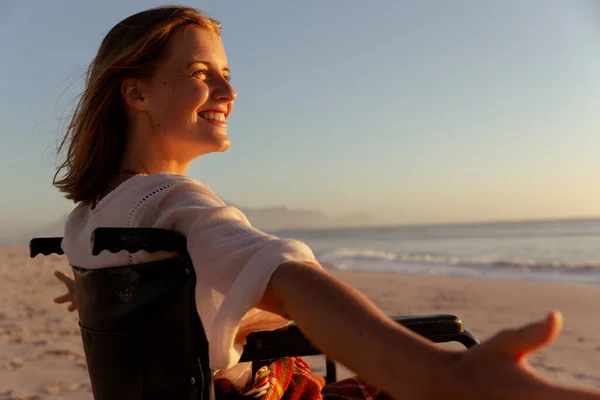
(223, 90)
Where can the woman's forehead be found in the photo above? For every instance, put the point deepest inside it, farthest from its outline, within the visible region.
(196, 45)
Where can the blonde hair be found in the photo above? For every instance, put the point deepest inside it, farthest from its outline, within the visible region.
(96, 133)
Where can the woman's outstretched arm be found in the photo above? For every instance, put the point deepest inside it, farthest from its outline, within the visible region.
(351, 329)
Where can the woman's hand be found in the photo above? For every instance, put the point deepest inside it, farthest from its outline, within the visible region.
(497, 369)
(68, 297)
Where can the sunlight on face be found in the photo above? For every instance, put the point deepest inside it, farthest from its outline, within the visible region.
(189, 96)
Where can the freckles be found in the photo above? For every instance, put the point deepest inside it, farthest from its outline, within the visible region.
(158, 126)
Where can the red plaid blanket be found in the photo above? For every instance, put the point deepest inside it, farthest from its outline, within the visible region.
(290, 378)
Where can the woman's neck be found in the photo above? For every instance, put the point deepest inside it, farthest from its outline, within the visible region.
(150, 157)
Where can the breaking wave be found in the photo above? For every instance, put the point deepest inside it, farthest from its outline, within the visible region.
(347, 258)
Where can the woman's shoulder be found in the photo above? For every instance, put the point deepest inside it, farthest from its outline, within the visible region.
(150, 198)
(167, 184)
(144, 193)
(143, 189)
(158, 182)
(140, 201)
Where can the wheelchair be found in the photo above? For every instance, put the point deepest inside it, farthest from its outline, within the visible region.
(141, 333)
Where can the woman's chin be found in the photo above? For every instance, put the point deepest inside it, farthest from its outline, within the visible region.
(224, 145)
(219, 145)
(219, 141)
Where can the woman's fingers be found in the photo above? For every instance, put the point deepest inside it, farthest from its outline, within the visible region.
(517, 344)
(67, 280)
(63, 299)
(64, 278)
(69, 296)
(61, 276)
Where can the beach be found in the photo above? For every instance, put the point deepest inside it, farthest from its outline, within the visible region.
(41, 355)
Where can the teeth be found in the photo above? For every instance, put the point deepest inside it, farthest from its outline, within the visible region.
(215, 116)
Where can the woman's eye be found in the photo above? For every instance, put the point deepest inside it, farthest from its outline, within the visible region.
(201, 73)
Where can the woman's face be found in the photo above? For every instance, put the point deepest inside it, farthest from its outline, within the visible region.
(189, 98)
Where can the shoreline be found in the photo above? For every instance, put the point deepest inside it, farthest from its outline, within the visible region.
(535, 277)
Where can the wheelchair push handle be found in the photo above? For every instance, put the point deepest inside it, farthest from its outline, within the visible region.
(45, 246)
(133, 240)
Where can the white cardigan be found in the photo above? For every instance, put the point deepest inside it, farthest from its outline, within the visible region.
(233, 260)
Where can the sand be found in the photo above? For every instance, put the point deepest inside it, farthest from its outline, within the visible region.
(41, 355)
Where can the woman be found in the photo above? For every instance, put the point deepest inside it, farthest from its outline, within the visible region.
(158, 96)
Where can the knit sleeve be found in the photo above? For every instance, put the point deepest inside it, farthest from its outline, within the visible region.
(233, 263)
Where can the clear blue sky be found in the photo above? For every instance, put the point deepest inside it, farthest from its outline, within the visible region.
(424, 111)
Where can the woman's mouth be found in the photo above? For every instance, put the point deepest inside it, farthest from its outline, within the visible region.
(215, 117)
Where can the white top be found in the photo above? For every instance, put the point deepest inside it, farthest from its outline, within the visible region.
(233, 261)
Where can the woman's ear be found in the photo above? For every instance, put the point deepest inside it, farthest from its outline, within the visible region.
(133, 94)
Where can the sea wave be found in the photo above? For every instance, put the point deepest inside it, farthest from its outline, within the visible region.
(349, 258)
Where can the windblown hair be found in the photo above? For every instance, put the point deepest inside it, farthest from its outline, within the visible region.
(95, 138)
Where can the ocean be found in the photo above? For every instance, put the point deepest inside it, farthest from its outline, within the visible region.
(559, 251)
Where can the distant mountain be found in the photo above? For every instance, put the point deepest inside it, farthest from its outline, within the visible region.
(353, 220)
(277, 218)
(53, 229)
(281, 217)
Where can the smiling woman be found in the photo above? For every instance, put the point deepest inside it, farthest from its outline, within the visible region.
(157, 97)
(185, 103)
(170, 79)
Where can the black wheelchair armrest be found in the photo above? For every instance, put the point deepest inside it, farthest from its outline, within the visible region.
(285, 342)
(290, 341)
(432, 325)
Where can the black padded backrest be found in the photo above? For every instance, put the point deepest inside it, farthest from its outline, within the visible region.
(141, 333)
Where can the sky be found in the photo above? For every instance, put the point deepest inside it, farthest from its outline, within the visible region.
(412, 112)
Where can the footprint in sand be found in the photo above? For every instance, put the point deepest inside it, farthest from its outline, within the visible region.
(540, 362)
(14, 364)
(23, 396)
(587, 377)
(62, 386)
(82, 364)
(553, 369)
(57, 352)
(52, 389)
